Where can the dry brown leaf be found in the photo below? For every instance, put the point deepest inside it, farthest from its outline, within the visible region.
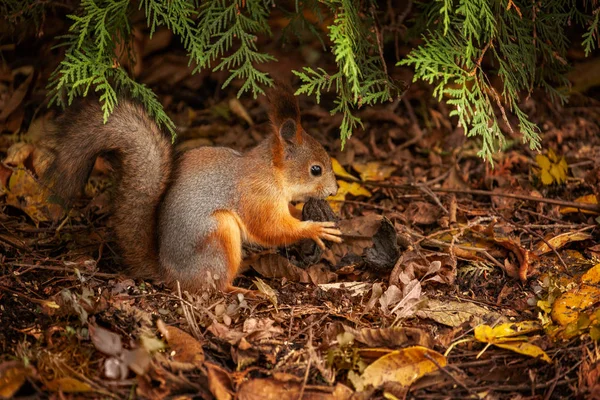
(68, 385)
(267, 291)
(320, 275)
(238, 109)
(223, 332)
(186, 348)
(18, 153)
(105, 341)
(271, 389)
(455, 313)
(12, 376)
(422, 213)
(219, 382)
(138, 360)
(276, 266)
(391, 337)
(559, 241)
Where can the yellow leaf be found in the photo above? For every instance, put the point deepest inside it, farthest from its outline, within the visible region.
(267, 291)
(50, 304)
(403, 367)
(552, 168)
(546, 177)
(588, 199)
(558, 173)
(567, 307)
(68, 385)
(526, 349)
(592, 276)
(12, 376)
(356, 189)
(560, 240)
(353, 188)
(373, 171)
(26, 193)
(502, 332)
(542, 161)
(340, 171)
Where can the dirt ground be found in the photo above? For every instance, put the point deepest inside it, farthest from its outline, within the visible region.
(481, 282)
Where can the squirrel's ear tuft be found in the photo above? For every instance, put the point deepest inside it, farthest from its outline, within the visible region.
(284, 112)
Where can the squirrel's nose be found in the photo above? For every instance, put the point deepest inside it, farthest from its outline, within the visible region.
(334, 188)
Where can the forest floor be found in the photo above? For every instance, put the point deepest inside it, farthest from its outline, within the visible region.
(454, 280)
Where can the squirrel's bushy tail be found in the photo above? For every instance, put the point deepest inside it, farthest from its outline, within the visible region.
(141, 155)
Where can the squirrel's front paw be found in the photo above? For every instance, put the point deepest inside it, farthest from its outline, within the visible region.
(325, 230)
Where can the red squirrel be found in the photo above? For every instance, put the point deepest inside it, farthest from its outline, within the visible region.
(185, 219)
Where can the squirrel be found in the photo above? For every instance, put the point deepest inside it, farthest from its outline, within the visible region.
(184, 219)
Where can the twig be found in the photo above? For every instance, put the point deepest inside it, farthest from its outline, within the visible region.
(309, 344)
(188, 316)
(451, 376)
(531, 232)
(579, 206)
(436, 199)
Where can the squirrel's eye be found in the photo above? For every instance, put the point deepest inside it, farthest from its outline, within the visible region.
(316, 170)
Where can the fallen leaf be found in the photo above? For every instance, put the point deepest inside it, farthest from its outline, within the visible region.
(12, 376)
(552, 169)
(559, 241)
(219, 382)
(403, 367)
(338, 170)
(487, 334)
(138, 360)
(238, 109)
(391, 337)
(567, 306)
(68, 385)
(271, 389)
(345, 188)
(454, 313)
(592, 275)
(355, 288)
(105, 341)
(588, 199)
(510, 336)
(373, 171)
(422, 213)
(276, 266)
(525, 348)
(267, 291)
(185, 347)
(25, 193)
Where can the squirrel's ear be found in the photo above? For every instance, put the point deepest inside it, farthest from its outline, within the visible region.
(288, 132)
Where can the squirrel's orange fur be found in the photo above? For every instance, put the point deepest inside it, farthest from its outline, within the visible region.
(186, 221)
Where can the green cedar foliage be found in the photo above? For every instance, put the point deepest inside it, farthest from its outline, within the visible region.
(465, 43)
(524, 42)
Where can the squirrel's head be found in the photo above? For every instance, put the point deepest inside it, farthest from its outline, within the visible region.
(305, 165)
(303, 162)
